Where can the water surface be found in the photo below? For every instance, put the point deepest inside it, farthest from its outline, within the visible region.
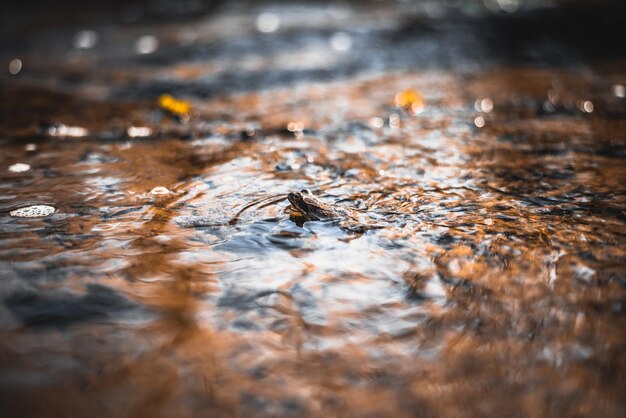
(170, 281)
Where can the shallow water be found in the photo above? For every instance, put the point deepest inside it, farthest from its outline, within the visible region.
(170, 281)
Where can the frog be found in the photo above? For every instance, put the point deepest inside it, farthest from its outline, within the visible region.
(315, 209)
(307, 207)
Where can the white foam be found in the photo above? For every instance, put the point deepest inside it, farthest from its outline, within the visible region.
(35, 211)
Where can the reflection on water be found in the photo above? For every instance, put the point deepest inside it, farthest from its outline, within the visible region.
(168, 279)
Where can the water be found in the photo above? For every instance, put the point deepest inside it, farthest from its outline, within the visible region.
(170, 281)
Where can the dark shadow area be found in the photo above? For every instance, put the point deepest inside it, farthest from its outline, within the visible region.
(63, 308)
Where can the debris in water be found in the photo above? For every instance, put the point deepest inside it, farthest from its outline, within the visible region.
(175, 107)
(159, 190)
(19, 168)
(35, 211)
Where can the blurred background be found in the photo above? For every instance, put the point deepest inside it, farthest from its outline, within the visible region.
(257, 44)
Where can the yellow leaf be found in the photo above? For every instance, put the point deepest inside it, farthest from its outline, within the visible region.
(411, 100)
(175, 106)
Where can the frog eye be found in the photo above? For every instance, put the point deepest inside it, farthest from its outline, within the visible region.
(305, 191)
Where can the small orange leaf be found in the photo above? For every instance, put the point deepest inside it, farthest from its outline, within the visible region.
(175, 106)
(410, 100)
